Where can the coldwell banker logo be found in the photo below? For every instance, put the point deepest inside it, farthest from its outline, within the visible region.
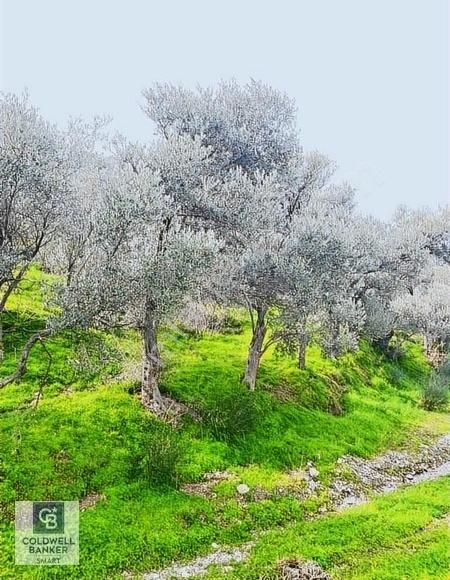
(47, 532)
(48, 517)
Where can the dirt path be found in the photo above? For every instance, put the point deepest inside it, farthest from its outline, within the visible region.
(198, 567)
(357, 480)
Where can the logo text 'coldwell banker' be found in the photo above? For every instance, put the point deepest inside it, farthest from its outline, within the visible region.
(47, 532)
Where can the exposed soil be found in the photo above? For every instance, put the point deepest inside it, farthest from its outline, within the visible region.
(221, 557)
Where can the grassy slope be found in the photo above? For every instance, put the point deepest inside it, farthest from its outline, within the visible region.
(89, 434)
(398, 536)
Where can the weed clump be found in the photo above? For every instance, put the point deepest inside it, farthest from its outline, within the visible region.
(435, 394)
(163, 455)
(230, 415)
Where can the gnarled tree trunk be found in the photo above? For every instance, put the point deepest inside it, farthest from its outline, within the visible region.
(256, 349)
(151, 365)
(383, 343)
(302, 346)
(2, 347)
(435, 350)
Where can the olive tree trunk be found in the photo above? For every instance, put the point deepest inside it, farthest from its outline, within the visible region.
(151, 366)
(256, 349)
(302, 346)
(383, 343)
(2, 347)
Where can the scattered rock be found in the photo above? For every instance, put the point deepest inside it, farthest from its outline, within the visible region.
(242, 489)
(216, 476)
(260, 494)
(301, 570)
(205, 488)
(344, 494)
(313, 485)
(301, 484)
(202, 489)
(313, 473)
(199, 567)
(91, 500)
(358, 477)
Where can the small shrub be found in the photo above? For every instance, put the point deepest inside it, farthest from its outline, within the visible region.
(436, 391)
(396, 352)
(163, 456)
(230, 415)
(397, 376)
(444, 370)
(392, 347)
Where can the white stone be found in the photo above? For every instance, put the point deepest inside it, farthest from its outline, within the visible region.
(313, 472)
(242, 489)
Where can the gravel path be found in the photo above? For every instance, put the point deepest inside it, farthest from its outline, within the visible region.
(435, 473)
(357, 480)
(200, 566)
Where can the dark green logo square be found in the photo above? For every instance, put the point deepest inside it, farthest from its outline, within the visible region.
(48, 517)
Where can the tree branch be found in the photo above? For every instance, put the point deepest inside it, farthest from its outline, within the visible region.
(22, 365)
(45, 377)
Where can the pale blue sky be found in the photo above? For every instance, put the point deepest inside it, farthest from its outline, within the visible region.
(370, 76)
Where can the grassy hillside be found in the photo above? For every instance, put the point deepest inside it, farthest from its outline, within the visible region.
(403, 535)
(88, 434)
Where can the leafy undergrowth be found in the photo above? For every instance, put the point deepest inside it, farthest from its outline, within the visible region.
(89, 434)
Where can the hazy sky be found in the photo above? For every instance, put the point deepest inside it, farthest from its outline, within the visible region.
(370, 76)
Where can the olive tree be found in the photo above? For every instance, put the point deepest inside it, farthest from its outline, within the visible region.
(388, 261)
(35, 181)
(426, 311)
(150, 242)
(265, 180)
(87, 146)
(318, 301)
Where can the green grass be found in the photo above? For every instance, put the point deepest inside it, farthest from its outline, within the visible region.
(90, 434)
(401, 535)
(377, 413)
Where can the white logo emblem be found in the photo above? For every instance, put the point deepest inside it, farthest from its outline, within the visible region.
(48, 518)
